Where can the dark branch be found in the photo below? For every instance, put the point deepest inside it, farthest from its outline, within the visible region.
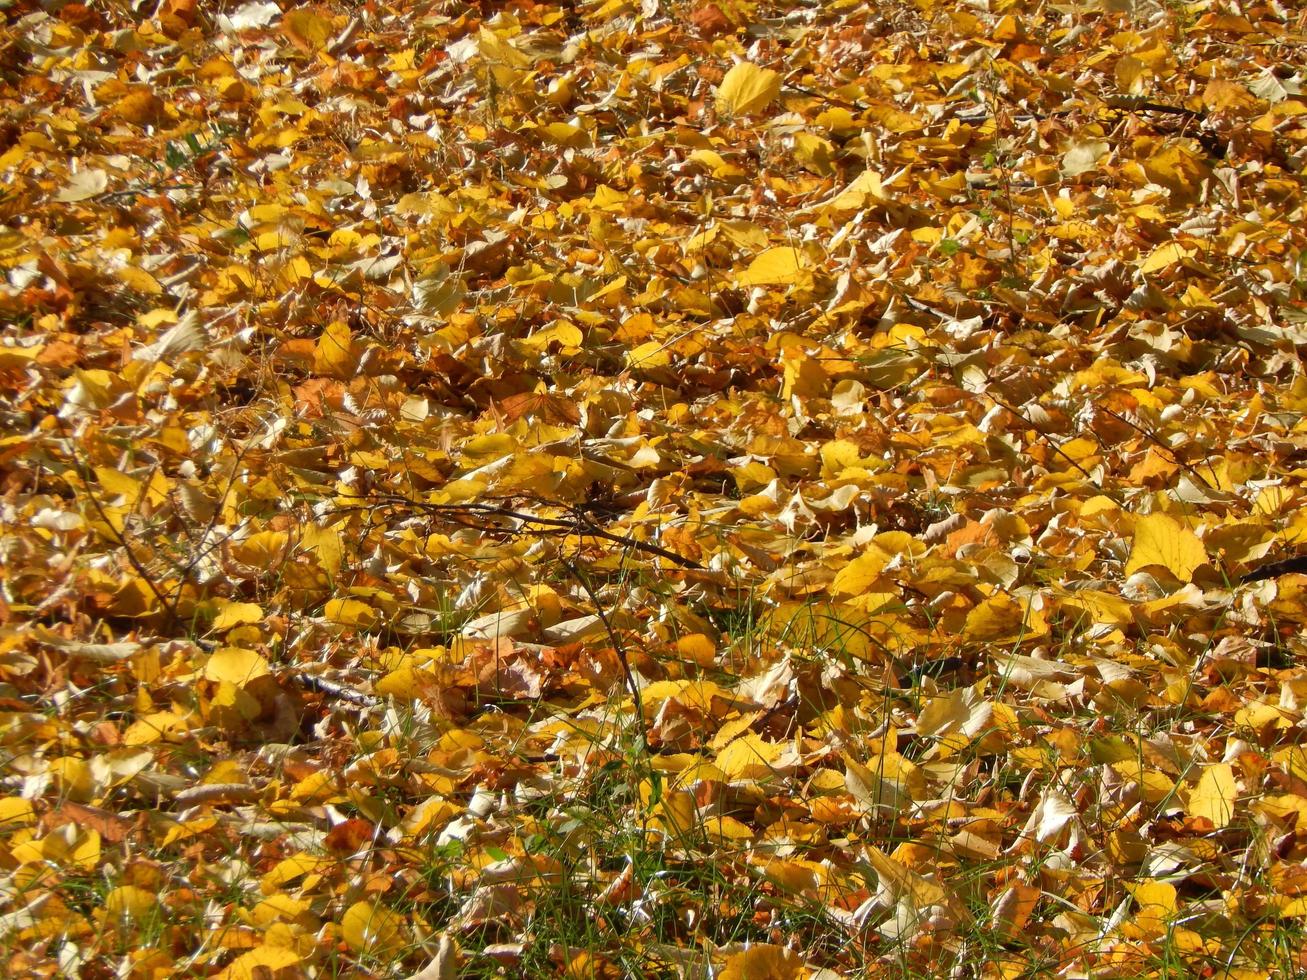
(580, 525)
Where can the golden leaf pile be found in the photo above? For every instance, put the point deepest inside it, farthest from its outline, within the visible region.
(652, 489)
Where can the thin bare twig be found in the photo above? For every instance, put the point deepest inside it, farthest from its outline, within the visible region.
(619, 650)
(582, 527)
(1151, 437)
(313, 682)
(84, 471)
(1043, 435)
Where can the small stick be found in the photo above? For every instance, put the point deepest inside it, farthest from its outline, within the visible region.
(582, 528)
(1175, 457)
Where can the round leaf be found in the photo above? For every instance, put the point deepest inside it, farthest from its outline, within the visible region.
(748, 89)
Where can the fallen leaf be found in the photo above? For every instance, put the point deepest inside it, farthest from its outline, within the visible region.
(1162, 540)
(1214, 796)
(748, 89)
(83, 185)
(371, 928)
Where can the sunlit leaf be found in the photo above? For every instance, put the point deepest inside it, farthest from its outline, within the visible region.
(306, 30)
(84, 184)
(131, 902)
(1083, 156)
(748, 89)
(367, 927)
(775, 267)
(350, 612)
(1160, 539)
(1215, 794)
(236, 614)
(335, 355)
(748, 757)
(259, 961)
(763, 962)
(233, 665)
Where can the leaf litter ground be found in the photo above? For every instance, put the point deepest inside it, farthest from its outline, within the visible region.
(663, 490)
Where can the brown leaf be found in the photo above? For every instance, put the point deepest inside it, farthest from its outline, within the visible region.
(710, 21)
(111, 827)
(350, 836)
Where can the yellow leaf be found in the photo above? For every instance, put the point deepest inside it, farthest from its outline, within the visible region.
(778, 266)
(118, 484)
(763, 962)
(568, 336)
(367, 927)
(237, 614)
(1091, 607)
(748, 757)
(288, 869)
(16, 812)
(858, 575)
(1179, 168)
(677, 813)
(726, 827)
(93, 389)
(1163, 257)
(140, 107)
(1153, 895)
(74, 778)
(840, 455)
(698, 648)
(945, 713)
(796, 877)
(188, 830)
(896, 881)
(1162, 540)
(406, 683)
(235, 666)
(804, 376)
(875, 787)
(130, 902)
(649, 355)
(1214, 795)
(86, 852)
(607, 198)
(325, 544)
(748, 89)
(863, 189)
(716, 165)
(139, 280)
(19, 357)
(814, 153)
(1012, 907)
(1082, 156)
(1002, 617)
(698, 695)
(1156, 901)
(350, 612)
(316, 786)
(430, 814)
(231, 707)
(564, 134)
(498, 51)
(335, 356)
(1222, 93)
(899, 543)
(262, 961)
(306, 30)
(263, 550)
(154, 727)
